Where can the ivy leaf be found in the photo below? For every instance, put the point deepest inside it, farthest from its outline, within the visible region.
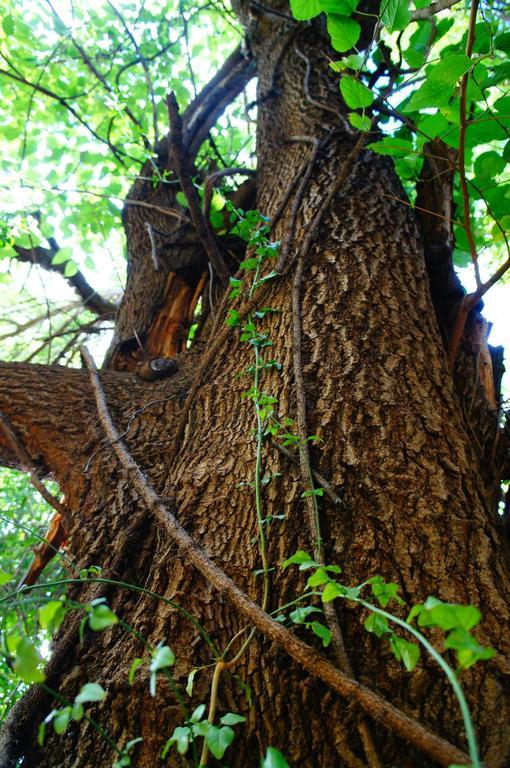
(274, 759)
(198, 713)
(300, 558)
(396, 14)
(448, 616)
(232, 719)
(344, 32)
(355, 94)
(384, 592)
(162, 657)
(300, 615)
(377, 625)
(321, 631)
(90, 692)
(332, 590)
(406, 652)
(102, 617)
(137, 662)
(302, 10)
(218, 739)
(466, 648)
(61, 720)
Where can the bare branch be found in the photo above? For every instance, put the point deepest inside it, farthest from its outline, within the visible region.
(43, 257)
(308, 658)
(180, 163)
(431, 10)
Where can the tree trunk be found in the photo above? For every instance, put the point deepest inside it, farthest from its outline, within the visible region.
(394, 441)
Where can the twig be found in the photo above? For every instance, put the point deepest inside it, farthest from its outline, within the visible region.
(320, 479)
(304, 453)
(211, 180)
(143, 62)
(431, 10)
(308, 658)
(179, 160)
(165, 211)
(43, 257)
(462, 144)
(26, 462)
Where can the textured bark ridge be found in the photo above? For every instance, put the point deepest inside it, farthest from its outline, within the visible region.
(394, 441)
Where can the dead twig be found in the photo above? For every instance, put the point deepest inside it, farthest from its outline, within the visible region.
(308, 658)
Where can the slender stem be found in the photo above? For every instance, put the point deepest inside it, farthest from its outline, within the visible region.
(450, 674)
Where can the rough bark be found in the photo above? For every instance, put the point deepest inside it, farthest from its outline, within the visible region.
(394, 439)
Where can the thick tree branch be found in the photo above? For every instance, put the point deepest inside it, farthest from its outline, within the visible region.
(43, 257)
(308, 658)
(180, 163)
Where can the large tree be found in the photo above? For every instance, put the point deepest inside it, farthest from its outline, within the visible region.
(347, 408)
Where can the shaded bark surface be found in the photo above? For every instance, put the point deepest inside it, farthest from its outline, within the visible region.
(394, 439)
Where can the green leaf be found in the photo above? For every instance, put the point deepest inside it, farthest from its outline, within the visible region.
(448, 616)
(233, 318)
(343, 7)
(488, 165)
(418, 44)
(392, 146)
(181, 738)
(133, 668)
(61, 720)
(332, 590)
(5, 577)
(162, 657)
(27, 662)
(189, 684)
(218, 739)
(318, 578)
(355, 94)
(406, 652)
(377, 625)
(62, 255)
(232, 719)
(343, 31)
(274, 759)
(102, 617)
(298, 558)
(70, 269)
(198, 713)
(440, 82)
(302, 10)
(300, 615)
(396, 14)
(384, 592)
(8, 25)
(90, 692)
(361, 122)
(466, 648)
(321, 631)
(51, 614)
